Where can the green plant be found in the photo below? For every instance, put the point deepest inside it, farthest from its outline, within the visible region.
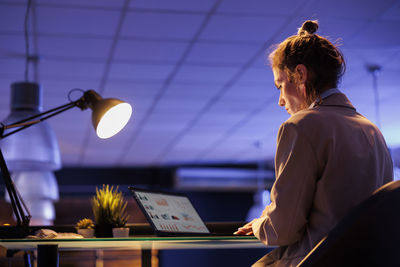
(85, 224)
(109, 207)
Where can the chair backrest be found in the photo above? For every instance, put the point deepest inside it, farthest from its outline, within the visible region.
(368, 236)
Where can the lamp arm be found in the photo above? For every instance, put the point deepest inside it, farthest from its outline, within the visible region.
(28, 122)
(22, 219)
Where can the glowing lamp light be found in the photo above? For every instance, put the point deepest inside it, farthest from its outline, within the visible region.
(113, 120)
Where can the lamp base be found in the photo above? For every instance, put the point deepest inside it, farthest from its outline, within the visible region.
(12, 232)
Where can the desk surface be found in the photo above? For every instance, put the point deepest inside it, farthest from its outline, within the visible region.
(198, 242)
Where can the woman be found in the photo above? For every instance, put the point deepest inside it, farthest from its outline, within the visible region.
(329, 157)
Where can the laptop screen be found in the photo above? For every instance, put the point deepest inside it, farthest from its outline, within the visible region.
(169, 213)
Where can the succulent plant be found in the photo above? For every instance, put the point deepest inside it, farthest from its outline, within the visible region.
(109, 207)
(85, 224)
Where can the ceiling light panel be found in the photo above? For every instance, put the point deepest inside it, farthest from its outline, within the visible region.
(221, 53)
(74, 49)
(12, 18)
(205, 73)
(139, 72)
(75, 21)
(161, 26)
(254, 30)
(174, 5)
(142, 51)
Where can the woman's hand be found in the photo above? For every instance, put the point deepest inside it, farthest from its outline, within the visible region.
(245, 229)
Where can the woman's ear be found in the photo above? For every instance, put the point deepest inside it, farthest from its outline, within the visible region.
(302, 73)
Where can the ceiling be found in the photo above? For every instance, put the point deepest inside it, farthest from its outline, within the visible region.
(194, 71)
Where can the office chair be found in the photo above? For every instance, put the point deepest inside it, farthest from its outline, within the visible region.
(368, 236)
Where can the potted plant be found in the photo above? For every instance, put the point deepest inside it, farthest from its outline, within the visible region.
(85, 227)
(109, 210)
(120, 219)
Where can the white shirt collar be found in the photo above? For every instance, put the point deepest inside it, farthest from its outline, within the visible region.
(324, 95)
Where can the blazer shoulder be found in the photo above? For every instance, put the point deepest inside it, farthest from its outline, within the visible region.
(305, 117)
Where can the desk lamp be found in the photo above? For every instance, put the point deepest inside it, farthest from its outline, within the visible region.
(109, 116)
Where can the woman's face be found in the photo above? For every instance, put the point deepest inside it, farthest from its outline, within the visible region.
(291, 96)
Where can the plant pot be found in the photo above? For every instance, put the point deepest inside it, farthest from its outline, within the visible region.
(103, 230)
(120, 232)
(86, 233)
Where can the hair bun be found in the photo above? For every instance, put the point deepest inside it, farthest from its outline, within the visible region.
(309, 26)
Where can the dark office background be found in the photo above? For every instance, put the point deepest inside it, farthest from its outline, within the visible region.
(195, 73)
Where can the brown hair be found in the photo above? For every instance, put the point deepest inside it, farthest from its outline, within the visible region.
(323, 60)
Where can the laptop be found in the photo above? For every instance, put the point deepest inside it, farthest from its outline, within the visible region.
(169, 214)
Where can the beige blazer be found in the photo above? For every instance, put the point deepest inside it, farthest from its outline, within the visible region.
(329, 158)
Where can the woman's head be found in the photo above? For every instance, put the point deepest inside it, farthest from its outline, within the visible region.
(323, 61)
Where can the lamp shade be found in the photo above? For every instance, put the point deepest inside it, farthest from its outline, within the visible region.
(109, 121)
(109, 115)
(36, 148)
(35, 185)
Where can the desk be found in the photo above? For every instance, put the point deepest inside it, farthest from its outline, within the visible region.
(145, 244)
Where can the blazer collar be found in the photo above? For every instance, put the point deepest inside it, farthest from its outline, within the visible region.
(337, 100)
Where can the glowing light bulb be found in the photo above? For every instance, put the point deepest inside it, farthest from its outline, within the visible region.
(114, 120)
